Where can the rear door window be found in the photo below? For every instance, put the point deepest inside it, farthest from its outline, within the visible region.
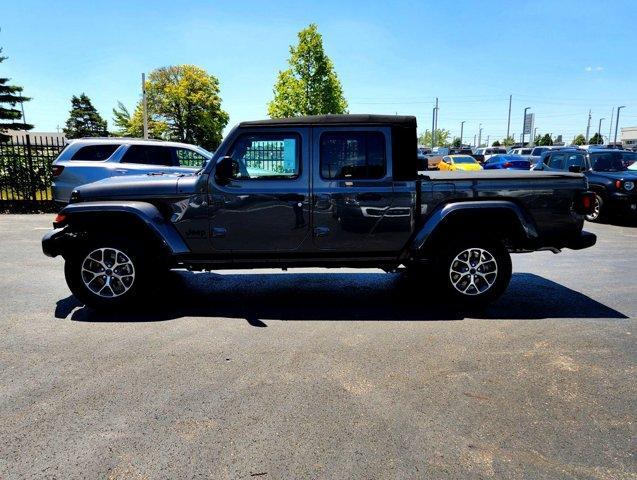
(149, 155)
(353, 155)
(95, 153)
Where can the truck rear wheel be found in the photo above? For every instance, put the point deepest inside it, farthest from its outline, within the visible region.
(475, 272)
(107, 273)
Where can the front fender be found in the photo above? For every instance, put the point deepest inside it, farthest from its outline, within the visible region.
(147, 213)
(448, 210)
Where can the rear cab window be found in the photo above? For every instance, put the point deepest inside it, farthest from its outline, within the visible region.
(95, 153)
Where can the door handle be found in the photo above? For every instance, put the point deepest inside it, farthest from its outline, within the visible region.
(321, 231)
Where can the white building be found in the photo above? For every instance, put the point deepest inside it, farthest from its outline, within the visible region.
(629, 137)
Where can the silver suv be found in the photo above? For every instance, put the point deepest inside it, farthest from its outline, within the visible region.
(88, 160)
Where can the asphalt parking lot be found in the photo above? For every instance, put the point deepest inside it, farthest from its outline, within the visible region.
(316, 374)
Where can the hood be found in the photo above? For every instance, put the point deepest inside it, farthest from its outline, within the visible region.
(623, 175)
(136, 186)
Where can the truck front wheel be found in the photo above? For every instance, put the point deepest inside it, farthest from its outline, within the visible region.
(107, 274)
(475, 272)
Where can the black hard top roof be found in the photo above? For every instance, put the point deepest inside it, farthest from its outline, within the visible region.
(349, 119)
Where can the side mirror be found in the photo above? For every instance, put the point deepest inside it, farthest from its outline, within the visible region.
(575, 168)
(224, 170)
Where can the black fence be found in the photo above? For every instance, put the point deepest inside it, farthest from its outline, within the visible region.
(25, 173)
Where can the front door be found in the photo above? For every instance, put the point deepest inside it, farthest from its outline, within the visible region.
(265, 205)
(357, 208)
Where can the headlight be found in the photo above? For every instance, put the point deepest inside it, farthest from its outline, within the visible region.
(628, 186)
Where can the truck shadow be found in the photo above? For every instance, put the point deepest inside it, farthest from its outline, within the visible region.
(337, 296)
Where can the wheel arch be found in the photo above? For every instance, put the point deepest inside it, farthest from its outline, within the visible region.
(504, 220)
(139, 219)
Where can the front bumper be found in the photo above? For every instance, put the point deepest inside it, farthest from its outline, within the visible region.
(582, 241)
(52, 242)
(622, 203)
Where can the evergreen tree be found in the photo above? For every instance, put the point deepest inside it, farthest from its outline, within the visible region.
(596, 140)
(310, 85)
(84, 120)
(10, 116)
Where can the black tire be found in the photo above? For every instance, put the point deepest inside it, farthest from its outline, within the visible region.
(599, 213)
(488, 271)
(126, 290)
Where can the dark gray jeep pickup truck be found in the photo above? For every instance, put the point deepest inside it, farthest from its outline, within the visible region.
(328, 191)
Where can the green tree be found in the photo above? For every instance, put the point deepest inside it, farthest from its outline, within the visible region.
(84, 120)
(579, 140)
(545, 140)
(456, 142)
(442, 138)
(10, 96)
(537, 140)
(133, 125)
(310, 85)
(184, 102)
(508, 141)
(596, 140)
(496, 143)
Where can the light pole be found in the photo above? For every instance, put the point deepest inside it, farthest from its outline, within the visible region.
(509, 119)
(524, 124)
(461, 131)
(479, 135)
(617, 123)
(588, 126)
(599, 130)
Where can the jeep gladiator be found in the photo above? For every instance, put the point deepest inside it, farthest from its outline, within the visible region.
(326, 191)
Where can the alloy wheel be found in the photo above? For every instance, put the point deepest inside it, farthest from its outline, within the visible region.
(108, 272)
(473, 271)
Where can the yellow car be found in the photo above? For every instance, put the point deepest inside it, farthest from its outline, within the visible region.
(465, 163)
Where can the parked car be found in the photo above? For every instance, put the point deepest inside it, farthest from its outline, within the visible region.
(520, 151)
(508, 162)
(536, 153)
(459, 162)
(485, 153)
(340, 190)
(607, 174)
(90, 159)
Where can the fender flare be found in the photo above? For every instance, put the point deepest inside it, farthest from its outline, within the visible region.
(147, 213)
(448, 210)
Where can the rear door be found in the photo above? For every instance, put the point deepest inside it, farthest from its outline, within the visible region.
(356, 206)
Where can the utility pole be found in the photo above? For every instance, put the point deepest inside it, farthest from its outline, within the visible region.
(617, 123)
(588, 127)
(474, 142)
(599, 130)
(488, 140)
(145, 106)
(480, 135)
(433, 127)
(610, 125)
(509, 120)
(524, 123)
(461, 130)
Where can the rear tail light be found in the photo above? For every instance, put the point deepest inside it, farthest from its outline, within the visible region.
(507, 164)
(60, 218)
(56, 170)
(584, 203)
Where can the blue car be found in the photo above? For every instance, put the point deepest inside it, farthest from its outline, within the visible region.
(507, 162)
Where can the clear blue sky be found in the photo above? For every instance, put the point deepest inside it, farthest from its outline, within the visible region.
(558, 57)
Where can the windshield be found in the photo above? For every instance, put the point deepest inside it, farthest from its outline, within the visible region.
(463, 159)
(629, 158)
(607, 162)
